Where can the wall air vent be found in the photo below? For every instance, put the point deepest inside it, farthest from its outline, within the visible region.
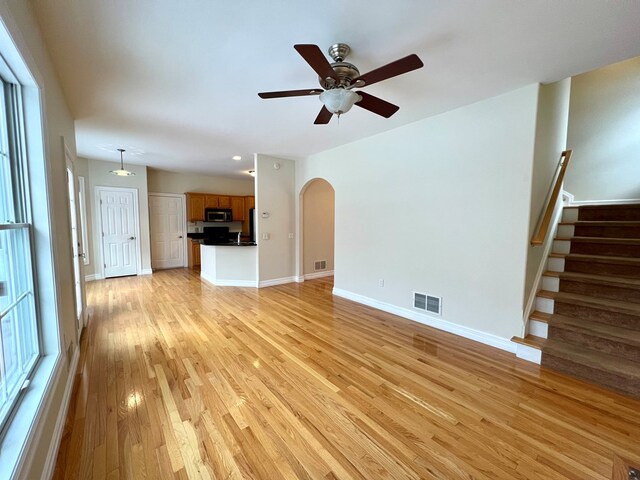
(320, 265)
(430, 303)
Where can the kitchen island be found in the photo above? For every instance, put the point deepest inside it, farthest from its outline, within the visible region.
(229, 265)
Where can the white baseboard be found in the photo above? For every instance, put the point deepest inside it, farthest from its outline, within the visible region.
(50, 462)
(626, 201)
(276, 281)
(324, 273)
(90, 278)
(146, 271)
(299, 278)
(466, 332)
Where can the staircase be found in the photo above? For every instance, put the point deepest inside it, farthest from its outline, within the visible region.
(587, 317)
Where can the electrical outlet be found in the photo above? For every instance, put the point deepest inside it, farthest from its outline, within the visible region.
(265, 236)
(381, 282)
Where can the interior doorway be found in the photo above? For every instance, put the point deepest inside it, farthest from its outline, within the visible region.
(317, 206)
(168, 230)
(119, 223)
(77, 247)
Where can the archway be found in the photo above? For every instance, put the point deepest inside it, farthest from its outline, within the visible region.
(317, 230)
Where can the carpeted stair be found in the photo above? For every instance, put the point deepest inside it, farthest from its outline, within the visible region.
(594, 326)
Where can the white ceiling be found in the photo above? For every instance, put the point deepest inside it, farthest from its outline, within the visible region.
(178, 80)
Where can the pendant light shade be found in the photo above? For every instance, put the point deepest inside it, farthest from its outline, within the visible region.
(339, 100)
(121, 172)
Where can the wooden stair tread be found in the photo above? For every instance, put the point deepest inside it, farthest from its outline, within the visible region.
(540, 316)
(581, 257)
(610, 240)
(629, 282)
(603, 330)
(593, 359)
(530, 341)
(589, 301)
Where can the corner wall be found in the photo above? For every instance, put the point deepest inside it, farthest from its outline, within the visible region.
(551, 140)
(275, 204)
(603, 132)
(440, 206)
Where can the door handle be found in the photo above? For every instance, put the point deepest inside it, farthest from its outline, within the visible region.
(180, 236)
(132, 238)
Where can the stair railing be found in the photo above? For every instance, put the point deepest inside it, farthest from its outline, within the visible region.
(547, 213)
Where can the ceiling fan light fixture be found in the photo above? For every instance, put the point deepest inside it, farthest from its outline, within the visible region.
(121, 172)
(339, 100)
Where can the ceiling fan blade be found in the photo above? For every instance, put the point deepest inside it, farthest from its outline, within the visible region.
(316, 59)
(291, 93)
(376, 105)
(323, 117)
(393, 69)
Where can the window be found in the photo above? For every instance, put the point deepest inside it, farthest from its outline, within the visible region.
(19, 339)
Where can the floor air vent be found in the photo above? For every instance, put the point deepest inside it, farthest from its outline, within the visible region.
(431, 304)
(320, 265)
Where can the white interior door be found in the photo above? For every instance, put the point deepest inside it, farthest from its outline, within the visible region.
(166, 222)
(119, 222)
(76, 248)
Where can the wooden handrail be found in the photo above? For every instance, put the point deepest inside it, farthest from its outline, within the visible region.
(541, 234)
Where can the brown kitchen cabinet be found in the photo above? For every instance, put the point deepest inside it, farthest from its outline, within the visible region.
(195, 207)
(237, 209)
(194, 254)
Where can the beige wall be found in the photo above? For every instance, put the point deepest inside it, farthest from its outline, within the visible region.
(275, 204)
(439, 206)
(99, 176)
(318, 204)
(551, 140)
(604, 116)
(58, 123)
(162, 181)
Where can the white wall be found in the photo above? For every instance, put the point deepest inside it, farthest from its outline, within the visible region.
(99, 176)
(603, 132)
(439, 206)
(57, 123)
(275, 197)
(551, 140)
(318, 205)
(162, 181)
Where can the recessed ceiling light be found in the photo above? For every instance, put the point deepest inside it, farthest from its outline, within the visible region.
(236, 158)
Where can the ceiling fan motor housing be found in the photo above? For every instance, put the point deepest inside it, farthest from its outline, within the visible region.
(345, 71)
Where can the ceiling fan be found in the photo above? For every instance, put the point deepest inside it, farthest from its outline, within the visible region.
(338, 79)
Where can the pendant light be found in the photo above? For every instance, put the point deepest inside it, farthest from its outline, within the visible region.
(122, 172)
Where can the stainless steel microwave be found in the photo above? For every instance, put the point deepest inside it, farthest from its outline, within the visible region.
(218, 215)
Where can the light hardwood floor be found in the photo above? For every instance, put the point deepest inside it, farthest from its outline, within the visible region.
(181, 379)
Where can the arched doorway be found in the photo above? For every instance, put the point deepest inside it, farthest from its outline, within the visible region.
(317, 211)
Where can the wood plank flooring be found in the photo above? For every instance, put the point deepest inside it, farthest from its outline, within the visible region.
(179, 379)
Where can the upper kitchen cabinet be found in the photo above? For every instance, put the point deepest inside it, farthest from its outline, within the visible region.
(216, 201)
(237, 208)
(195, 207)
(249, 202)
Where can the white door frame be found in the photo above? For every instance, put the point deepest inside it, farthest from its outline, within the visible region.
(98, 223)
(81, 248)
(185, 259)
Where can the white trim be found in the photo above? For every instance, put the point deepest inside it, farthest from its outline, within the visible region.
(146, 271)
(626, 201)
(543, 267)
(82, 204)
(276, 281)
(528, 353)
(91, 278)
(100, 188)
(311, 276)
(466, 332)
(567, 198)
(56, 438)
(299, 278)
